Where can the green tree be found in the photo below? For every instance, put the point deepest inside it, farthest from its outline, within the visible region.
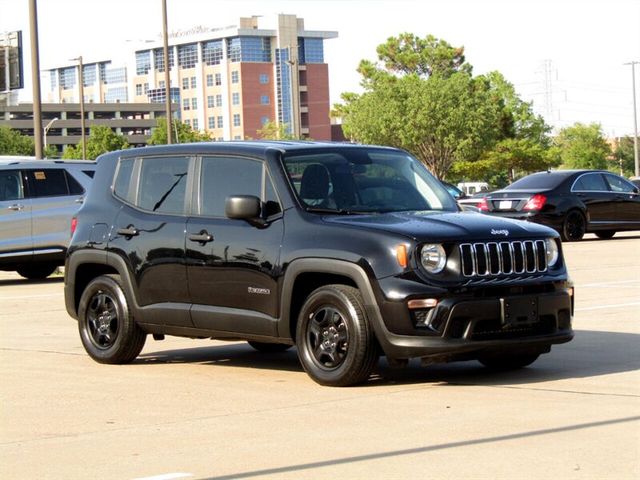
(274, 131)
(625, 157)
(13, 142)
(101, 140)
(583, 146)
(186, 134)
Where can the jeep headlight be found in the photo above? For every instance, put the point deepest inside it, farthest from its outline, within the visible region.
(552, 251)
(433, 257)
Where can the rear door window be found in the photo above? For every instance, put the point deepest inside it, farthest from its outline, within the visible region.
(590, 182)
(10, 185)
(618, 184)
(163, 184)
(49, 182)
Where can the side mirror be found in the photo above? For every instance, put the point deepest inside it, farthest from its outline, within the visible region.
(244, 207)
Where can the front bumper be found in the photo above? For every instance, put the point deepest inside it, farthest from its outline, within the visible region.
(465, 326)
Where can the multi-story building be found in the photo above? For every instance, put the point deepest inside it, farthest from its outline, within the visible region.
(102, 82)
(234, 79)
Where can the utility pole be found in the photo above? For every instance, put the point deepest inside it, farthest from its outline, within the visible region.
(35, 78)
(635, 119)
(167, 77)
(82, 123)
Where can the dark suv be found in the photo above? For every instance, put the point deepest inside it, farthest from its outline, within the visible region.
(345, 251)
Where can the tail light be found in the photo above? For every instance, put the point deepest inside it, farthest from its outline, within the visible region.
(536, 202)
(74, 225)
(483, 206)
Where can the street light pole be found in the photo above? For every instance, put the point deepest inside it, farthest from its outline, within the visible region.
(635, 119)
(167, 78)
(46, 130)
(35, 78)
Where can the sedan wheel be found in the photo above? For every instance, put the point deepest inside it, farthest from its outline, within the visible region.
(574, 227)
(605, 234)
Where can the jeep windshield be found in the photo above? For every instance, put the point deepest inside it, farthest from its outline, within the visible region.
(354, 180)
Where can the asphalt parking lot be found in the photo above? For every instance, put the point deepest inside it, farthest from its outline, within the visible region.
(209, 409)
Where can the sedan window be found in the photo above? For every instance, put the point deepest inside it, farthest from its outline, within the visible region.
(590, 182)
(618, 184)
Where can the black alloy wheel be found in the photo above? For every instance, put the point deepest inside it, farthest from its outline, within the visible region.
(107, 330)
(574, 226)
(335, 341)
(605, 234)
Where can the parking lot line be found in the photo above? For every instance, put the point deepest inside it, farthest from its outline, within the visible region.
(615, 305)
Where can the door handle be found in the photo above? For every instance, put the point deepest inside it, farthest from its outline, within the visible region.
(79, 200)
(16, 207)
(129, 231)
(202, 237)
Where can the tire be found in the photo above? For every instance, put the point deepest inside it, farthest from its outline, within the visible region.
(573, 227)
(269, 347)
(335, 341)
(508, 361)
(605, 234)
(37, 271)
(107, 329)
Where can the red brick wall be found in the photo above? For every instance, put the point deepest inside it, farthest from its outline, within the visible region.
(252, 90)
(318, 101)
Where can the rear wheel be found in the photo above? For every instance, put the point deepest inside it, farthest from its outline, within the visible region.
(269, 347)
(573, 227)
(605, 234)
(37, 271)
(335, 341)
(107, 329)
(508, 361)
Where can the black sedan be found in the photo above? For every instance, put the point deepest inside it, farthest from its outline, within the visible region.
(571, 201)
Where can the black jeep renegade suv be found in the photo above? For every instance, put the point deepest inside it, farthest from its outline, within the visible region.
(345, 251)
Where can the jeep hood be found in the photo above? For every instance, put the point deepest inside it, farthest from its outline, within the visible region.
(446, 226)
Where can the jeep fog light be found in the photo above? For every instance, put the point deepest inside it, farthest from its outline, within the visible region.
(552, 251)
(433, 257)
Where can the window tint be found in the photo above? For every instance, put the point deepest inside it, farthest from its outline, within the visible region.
(74, 187)
(10, 185)
(223, 177)
(49, 182)
(537, 181)
(618, 184)
(163, 183)
(592, 182)
(123, 179)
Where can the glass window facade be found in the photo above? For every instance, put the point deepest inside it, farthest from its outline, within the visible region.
(53, 78)
(220, 121)
(310, 50)
(283, 78)
(209, 80)
(188, 55)
(249, 49)
(194, 103)
(115, 75)
(235, 98)
(193, 82)
(143, 62)
(218, 79)
(210, 101)
(212, 52)
(235, 76)
(186, 104)
(67, 77)
(116, 95)
(89, 74)
(185, 83)
(159, 58)
(218, 100)
(212, 122)
(236, 119)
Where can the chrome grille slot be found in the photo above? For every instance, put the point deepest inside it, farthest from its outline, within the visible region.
(503, 258)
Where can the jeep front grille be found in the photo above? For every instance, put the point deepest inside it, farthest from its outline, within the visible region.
(503, 258)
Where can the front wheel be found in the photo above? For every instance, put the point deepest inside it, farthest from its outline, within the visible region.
(508, 361)
(335, 341)
(107, 329)
(573, 227)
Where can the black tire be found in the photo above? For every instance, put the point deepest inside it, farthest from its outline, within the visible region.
(37, 271)
(605, 234)
(508, 361)
(335, 341)
(269, 347)
(107, 329)
(573, 227)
